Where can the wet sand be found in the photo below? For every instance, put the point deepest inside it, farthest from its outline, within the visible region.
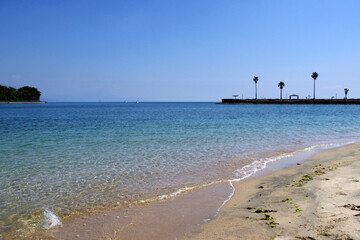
(162, 220)
(316, 199)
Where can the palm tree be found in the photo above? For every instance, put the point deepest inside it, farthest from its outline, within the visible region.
(255, 79)
(346, 92)
(314, 76)
(281, 85)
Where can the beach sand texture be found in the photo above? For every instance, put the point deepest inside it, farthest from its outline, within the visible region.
(318, 199)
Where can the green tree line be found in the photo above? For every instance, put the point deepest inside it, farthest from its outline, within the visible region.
(23, 94)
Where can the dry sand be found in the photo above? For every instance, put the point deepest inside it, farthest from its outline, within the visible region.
(318, 199)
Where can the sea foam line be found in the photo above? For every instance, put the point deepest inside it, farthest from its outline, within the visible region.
(261, 164)
(178, 192)
(247, 171)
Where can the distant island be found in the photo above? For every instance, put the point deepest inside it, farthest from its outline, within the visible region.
(24, 94)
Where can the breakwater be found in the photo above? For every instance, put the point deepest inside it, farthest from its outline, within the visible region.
(291, 101)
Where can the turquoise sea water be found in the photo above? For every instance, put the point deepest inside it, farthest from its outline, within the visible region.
(59, 158)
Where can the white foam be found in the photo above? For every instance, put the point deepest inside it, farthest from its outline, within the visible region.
(177, 192)
(260, 164)
(166, 196)
(50, 219)
(173, 194)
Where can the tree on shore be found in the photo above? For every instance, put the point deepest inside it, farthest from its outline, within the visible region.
(281, 85)
(346, 92)
(7, 93)
(255, 79)
(314, 76)
(23, 94)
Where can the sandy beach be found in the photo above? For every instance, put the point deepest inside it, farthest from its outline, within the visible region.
(315, 199)
(170, 120)
(318, 199)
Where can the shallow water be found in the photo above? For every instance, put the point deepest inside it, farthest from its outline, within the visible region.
(65, 157)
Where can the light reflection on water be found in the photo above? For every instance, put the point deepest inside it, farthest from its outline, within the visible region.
(75, 156)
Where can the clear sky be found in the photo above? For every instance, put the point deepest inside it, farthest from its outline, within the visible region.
(179, 50)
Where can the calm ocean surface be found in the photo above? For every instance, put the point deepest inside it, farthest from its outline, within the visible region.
(66, 157)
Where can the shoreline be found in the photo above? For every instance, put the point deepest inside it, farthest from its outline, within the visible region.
(126, 223)
(305, 201)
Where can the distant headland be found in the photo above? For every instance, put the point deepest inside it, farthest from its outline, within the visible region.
(24, 94)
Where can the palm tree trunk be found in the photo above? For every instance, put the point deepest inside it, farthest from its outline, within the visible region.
(314, 88)
(280, 93)
(255, 90)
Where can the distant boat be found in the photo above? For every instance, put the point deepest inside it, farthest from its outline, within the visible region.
(137, 102)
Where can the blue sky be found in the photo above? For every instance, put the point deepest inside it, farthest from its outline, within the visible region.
(179, 50)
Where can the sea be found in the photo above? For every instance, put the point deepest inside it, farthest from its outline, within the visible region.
(57, 159)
